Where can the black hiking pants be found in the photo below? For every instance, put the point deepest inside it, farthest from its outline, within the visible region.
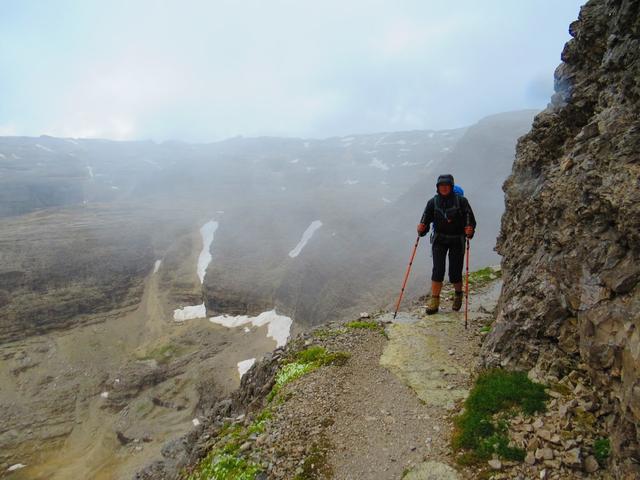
(454, 245)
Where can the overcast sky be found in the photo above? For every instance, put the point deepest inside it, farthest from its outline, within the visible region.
(206, 70)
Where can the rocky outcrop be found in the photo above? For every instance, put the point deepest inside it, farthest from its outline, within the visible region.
(570, 236)
(69, 267)
(189, 449)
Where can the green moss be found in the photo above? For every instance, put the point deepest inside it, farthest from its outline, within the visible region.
(259, 424)
(602, 450)
(303, 362)
(560, 388)
(483, 276)
(224, 460)
(310, 354)
(584, 419)
(315, 464)
(482, 428)
(328, 332)
(223, 466)
(369, 325)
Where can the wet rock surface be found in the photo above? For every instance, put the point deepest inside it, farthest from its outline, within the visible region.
(570, 235)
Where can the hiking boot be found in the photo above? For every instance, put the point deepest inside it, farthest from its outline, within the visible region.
(457, 301)
(432, 305)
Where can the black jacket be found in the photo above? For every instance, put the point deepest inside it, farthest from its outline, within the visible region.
(450, 217)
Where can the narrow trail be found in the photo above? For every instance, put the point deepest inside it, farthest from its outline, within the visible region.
(387, 412)
(410, 385)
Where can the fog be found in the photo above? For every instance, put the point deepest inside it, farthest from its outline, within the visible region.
(96, 215)
(203, 71)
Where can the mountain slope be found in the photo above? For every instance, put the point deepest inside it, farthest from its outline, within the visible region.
(570, 235)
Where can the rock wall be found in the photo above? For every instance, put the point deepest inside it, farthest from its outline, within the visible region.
(570, 236)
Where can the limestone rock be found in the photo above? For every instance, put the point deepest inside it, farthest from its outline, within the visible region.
(432, 471)
(570, 235)
(591, 464)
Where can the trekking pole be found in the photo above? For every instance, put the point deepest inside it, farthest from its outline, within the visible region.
(466, 288)
(406, 277)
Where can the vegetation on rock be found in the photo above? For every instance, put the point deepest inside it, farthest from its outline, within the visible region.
(480, 428)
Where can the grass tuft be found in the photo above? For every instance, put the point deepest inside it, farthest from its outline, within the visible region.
(483, 276)
(495, 393)
(303, 362)
(369, 325)
(329, 333)
(222, 466)
(602, 450)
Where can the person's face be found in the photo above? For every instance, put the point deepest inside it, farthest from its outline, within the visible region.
(444, 189)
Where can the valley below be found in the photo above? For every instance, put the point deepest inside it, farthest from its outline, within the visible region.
(139, 281)
(99, 400)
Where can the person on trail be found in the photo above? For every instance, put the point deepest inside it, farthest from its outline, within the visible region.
(453, 222)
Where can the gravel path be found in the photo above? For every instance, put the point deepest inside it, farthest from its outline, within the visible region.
(387, 410)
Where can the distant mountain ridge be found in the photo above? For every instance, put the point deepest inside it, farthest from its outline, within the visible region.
(136, 202)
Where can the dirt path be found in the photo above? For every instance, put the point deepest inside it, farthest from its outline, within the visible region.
(384, 429)
(387, 413)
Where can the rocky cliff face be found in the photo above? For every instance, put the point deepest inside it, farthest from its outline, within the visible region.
(570, 236)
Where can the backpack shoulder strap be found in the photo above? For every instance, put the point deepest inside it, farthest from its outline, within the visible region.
(436, 204)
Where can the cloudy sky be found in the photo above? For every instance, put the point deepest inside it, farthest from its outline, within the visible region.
(205, 70)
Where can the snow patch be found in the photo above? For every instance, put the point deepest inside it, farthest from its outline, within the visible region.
(445, 149)
(42, 147)
(156, 266)
(190, 312)
(90, 171)
(375, 163)
(207, 231)
(152, 162)
(247, 330)
(104, 394)
(386, 200)
(195, 422)
(15, 467)
(113, 187)
(245, 365)
(306, 236)
(379, 141)
(278, 325)
(2, 156)
(351, 182)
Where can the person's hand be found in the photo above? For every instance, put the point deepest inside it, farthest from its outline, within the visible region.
(468, 231)
(422, 229)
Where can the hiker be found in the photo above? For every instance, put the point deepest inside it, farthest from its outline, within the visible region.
(453, 222)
